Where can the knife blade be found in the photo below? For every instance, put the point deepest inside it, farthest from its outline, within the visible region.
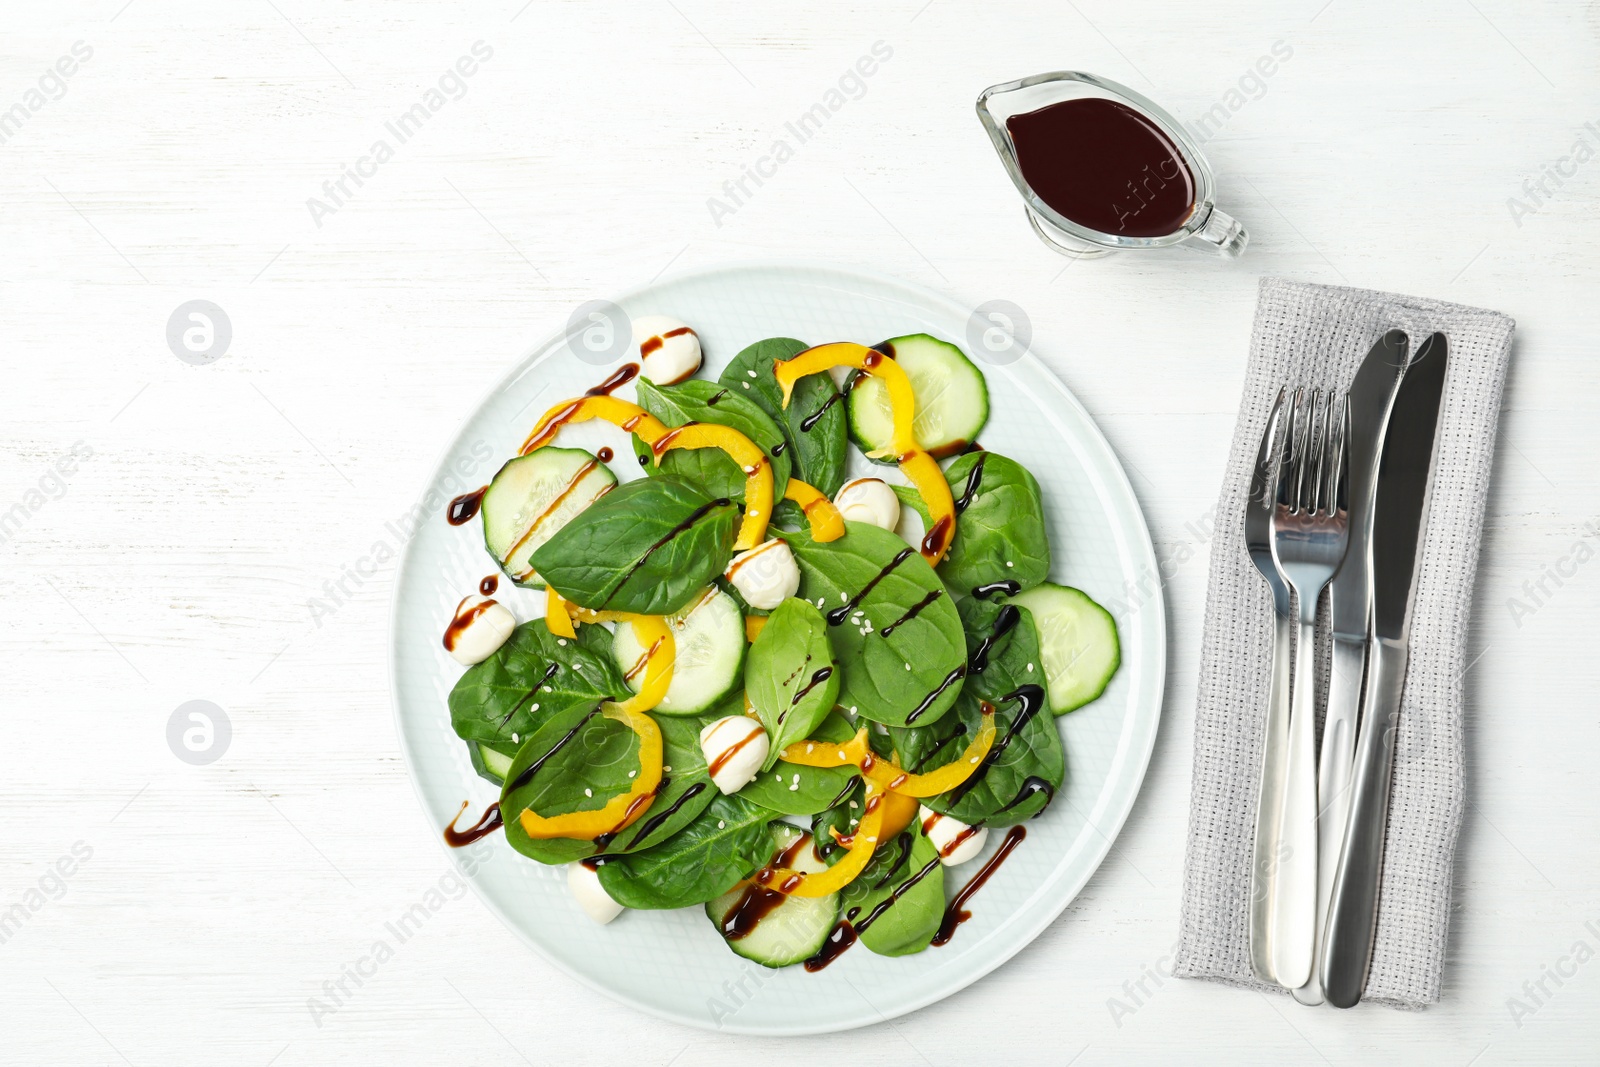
(1399, 525)
(1370, 397)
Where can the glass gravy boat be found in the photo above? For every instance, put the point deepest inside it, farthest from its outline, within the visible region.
(1206, 229)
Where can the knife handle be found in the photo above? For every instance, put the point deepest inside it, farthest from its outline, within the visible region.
(1353, 907)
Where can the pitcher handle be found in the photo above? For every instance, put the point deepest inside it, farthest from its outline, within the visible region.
(1221, 235)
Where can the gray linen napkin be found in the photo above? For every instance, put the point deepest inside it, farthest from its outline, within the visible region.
(1317, 335)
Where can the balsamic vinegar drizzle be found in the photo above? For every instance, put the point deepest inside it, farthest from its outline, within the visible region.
(487, 823)
(1032, 786)
(757, 901)
(533, 768)
(464, 617)
(842, 612)
(816, 416)
(1004, 623)
(927, 702)
(955, 913)
(912, 611)
(465, 506)
(489, 585)
(694, 517)
(846, 932)
(605, 454)
(938, 538)
(549, 673)
(817, 679)
(658, 820)
(1031, 699)
(974, 480)
(1006, 585)
(620, 377)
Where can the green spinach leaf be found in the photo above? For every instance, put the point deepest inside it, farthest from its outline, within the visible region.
(1000, 532)
(534, 675)
(814, 421)
(791, 677)
(685, 792)
(794, 790)
(897, 903)
(701, 862)
(895, 633)
(576, 761)
(1027, 763)
(697, 400)
(647, 546)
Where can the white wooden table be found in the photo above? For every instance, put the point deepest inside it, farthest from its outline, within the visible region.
(209, 505)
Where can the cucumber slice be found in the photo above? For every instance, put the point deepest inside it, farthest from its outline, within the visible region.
(491, 764)
(710, 640)
(1077, 641)
(952, 399)
(794, 929)
(532, 497)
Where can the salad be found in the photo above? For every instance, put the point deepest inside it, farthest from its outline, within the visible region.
(761, 686)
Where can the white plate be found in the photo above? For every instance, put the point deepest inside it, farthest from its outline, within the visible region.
(674, 964)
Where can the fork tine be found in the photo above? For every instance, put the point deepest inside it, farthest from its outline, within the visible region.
(1305, 407)
(1339, 479)
(1264, 479)
(1327, 457)
(1288, 490)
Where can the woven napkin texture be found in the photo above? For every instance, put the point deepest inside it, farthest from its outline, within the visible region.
(1317, 335)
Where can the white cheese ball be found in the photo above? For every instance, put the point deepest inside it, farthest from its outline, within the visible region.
(956, 841)
(590, 894)
(669, 349)
(735, 747)
(479, 628)
(868, 500)
(765, 576)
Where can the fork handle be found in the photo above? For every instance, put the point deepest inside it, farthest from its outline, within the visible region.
(1269, 804)
(1294, 911)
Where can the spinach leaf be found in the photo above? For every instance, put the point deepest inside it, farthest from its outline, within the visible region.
(579, 759)
(685, 789)
(533, 675)
(795, 790)
(1027, 763)
(697, 400)
(894, 631)
(1000, 532)
(790, 676)
(897, 903)
(842, 816)
(701, 862)
(647, 546)
(814, 421)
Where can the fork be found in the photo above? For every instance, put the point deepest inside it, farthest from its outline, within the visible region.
(1274, 750)
(1310, 530)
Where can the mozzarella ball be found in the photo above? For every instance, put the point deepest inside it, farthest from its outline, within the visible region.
(669, 349)
(868, 500)
(765, 576)
(735, 747)
(479, 628)
(956, 841)
(590, 894)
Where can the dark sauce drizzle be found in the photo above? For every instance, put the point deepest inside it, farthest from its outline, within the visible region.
(913, 611)
(1031, 699)
(817, 679)
(489, 584)
(465, 506)
(842, 612)
(716, 398)
(846, 932)
(620, 377)
(938, 537)
(955, 913)
(927, 702)
(777, 449)
(1032, 786)
(974, 480)
(605, 454)
(816, 416)
(1004, 623)
(549, 673)
(657, 821)
(693, 518)
(1007, 586)
(487, 823)
(533, 768)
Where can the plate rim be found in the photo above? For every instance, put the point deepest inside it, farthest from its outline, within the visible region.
(1037, 922)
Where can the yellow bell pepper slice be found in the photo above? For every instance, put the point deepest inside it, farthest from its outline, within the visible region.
(753, 625)
(882, 771)
(915, 463)
(862, 842)
(556, 616)
(661, 651)
(620, 811)
(826, 522)
(629, 417)
(747, 454)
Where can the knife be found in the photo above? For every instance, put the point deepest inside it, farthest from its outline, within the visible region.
(1350, 601)
(1399, 520)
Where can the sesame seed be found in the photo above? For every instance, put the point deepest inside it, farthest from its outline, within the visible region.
(751, 373)
(721, 825)
(588, 792)
(1030, 667)
(794, 787)
(561, 641)
(745, 384)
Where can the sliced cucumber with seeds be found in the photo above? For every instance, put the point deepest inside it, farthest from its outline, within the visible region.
(793, 930)
(1077, 642)
(952, 399)
(532, 497)
(710, 641)
(490, 763)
